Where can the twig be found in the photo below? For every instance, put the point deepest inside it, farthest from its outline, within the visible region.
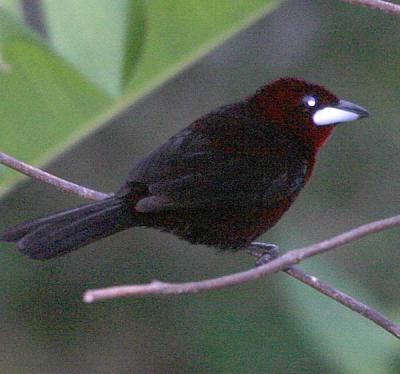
(345, 300)
(385, 6)
(60, 184)
(280, 263)
(333, 293)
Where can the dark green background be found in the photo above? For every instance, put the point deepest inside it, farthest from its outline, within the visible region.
(274, 325)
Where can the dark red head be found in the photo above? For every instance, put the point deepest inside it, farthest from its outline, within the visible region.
(305, 109)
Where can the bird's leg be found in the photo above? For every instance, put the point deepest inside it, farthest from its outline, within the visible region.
(264, 252)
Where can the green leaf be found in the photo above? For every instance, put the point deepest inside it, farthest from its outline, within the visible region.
(181, 31)
(50, 99)
(101, 38)
(43, 100)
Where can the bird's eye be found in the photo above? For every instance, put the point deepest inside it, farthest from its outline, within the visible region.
(310, 101)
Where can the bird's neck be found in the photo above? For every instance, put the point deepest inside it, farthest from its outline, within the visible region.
(313, 139)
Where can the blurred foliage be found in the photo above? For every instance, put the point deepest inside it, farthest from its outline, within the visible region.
(105, 41)
(74, 79)
(98, 56)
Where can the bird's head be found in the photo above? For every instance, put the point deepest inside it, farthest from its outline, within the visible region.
(307, 110)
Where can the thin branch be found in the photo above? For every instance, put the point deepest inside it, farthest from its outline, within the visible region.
(385, 6)
(337, 295)
(42, 176)
(345, 300)
(283, 262)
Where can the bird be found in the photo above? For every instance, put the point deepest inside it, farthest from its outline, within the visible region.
(222, 181)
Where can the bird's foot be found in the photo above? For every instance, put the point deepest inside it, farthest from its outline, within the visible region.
(264, 252)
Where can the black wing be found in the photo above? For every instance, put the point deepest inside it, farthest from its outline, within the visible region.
(191, 171)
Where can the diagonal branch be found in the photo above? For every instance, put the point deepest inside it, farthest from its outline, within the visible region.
(280, 263)
(283, 262)
(385, 6)
(346, 300)
(42, 176)
(334, 293)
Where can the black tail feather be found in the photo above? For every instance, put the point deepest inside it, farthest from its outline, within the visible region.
(68, 230)
(16, 233)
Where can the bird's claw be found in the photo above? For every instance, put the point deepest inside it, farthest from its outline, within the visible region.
(264, 252)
